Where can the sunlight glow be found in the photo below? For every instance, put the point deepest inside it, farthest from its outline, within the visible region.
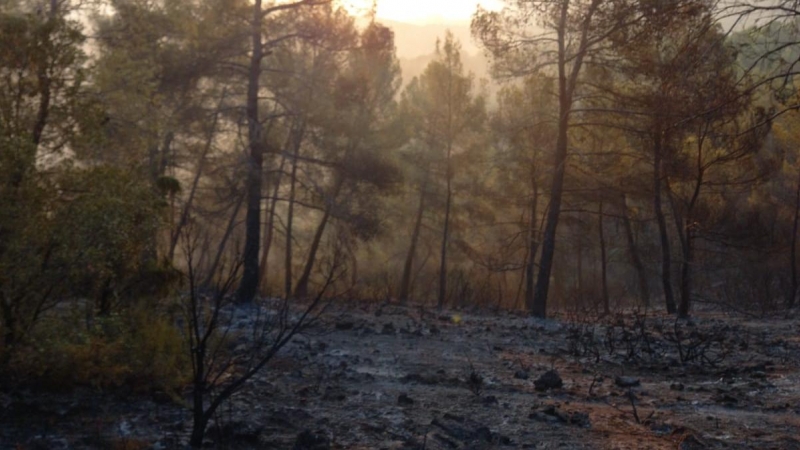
(421, 11)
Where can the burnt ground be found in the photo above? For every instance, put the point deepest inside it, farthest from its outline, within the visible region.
(390, 377)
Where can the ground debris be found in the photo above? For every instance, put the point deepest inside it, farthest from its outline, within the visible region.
(348, 385)
(456, 432)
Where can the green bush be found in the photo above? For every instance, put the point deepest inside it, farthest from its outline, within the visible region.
(138, 351)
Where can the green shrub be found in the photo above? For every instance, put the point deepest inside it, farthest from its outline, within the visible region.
(138, 351)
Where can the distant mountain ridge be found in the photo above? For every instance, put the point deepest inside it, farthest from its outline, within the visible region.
(416, 47)
(414, 40)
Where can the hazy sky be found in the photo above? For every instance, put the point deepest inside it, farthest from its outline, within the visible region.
(423, 11)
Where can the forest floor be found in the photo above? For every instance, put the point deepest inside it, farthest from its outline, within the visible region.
(390, 377)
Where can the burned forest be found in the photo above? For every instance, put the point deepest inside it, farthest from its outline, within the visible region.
(398, 224)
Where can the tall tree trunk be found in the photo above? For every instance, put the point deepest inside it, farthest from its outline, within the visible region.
(636, 260)
(793, 250)
(686, 230)
(445, 234)
(567, 83)
(603, 262)
(682, 229)
(532, 249)
(405, 282)
(666, 258)
(290, 222)
(686, 273)
(269, 227)
(301, 291)
(223, 242)
(579, 269)
(255, 163)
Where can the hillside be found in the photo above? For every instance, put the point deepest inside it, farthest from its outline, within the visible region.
(416, 47)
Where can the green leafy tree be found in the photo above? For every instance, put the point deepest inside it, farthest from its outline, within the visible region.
(41, 67)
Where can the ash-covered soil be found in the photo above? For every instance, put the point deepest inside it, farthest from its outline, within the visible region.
(392, 377)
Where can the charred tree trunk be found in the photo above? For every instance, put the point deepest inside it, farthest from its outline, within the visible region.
(533, 247)
(301, 290)
(223, 242)
(603, 262)
(793, 250)
(666, 258)
(636, 260)
(687, 229)
(9, 325)
(269, 227)
(290, 222)
(255, 163)
(199, 388)
(686, 273)
(405, 282)
(445, 235)
(567, 82)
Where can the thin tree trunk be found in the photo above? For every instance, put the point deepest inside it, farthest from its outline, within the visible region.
(533, 246)
(686, 274)
(686, 230)
(223, 243)
(603, 262)
(405, 282)
(196, 181)
(682, 229)
(199, 416)
(793, 250)
(269, 226)
(445, 236)
(579, 270)
(636, 260)
(255, 163)
(301, 291)
(290, 223)
(666, 259)
(9, 326)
